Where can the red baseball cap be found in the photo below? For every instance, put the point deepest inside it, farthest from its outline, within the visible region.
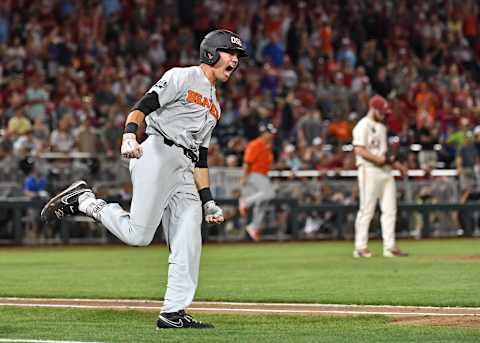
(380, 104)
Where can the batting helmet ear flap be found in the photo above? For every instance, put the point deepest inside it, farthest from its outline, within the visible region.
(208, 55)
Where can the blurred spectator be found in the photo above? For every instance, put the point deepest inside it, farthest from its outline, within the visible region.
(467, 160)
(427, 137)
(4, 27)
(425, 103)
(34, 187)
(215, 156)
(326, 34)
(457, 138)
(309, 127)
(156, 52)
(339, 95)
(273, 51)
(314, 155)
(381, 83)
(8, 163)
(289, 158)
(19, 124)
(86, 138)
(37, 97)
(288, 73)
(412, 161)
(359, 79)
(476, 133)
(25, 145)
(41, 135)
(346, 53)
(340, 129)
(62, 138)
(231, 161)
(110, 7)
(35, 184)
(111, 132)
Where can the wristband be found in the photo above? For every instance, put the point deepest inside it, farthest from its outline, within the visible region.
(205, 195)
(131, 127)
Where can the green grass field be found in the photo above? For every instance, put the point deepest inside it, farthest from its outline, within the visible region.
(134, 327)
(438, 273)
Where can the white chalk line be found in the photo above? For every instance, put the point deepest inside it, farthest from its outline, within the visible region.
(237, 303)
(239, 310)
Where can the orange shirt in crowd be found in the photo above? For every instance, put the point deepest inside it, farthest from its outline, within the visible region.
(425, 106)
(341, 129)
(326, 35)
(470, 25)
(259, 156)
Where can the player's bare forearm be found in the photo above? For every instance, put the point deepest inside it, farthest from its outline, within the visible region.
(364, 153)
(136, 116)
(213, 213)
(200, 175)
(130, 147)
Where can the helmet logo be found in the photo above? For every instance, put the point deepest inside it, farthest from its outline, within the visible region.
(235, 40)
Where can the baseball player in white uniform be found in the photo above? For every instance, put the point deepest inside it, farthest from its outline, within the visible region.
(169, 172)
(375, 179)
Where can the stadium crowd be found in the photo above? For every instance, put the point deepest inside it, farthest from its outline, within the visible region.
(71, 69)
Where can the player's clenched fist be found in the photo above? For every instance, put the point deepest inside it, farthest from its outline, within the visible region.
(213, 213)
(130, 147)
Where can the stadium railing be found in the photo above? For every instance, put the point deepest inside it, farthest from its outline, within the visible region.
(285, 222)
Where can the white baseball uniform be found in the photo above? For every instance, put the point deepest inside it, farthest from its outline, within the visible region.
(164, 189)
(375, 184)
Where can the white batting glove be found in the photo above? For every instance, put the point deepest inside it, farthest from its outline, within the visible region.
(213, 213)
(130, 147)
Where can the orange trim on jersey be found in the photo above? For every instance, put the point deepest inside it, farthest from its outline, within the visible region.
(197, 98)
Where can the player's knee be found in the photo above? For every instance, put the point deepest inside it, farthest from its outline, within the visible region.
(140, 240)
(366, 213)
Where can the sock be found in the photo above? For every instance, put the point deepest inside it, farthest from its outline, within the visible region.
(90, 205)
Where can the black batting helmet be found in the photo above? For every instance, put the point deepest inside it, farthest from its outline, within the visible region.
(219, 40)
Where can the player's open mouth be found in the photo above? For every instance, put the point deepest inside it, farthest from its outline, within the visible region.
(229, 69)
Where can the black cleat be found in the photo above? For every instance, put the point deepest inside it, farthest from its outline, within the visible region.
(180, 320)
(65, 203)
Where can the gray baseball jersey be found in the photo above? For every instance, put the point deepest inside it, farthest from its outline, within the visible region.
(179, 117)
(164, 187)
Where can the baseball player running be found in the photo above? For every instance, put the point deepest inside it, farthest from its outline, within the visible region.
(375, 179)
(169, 172)
(257, 188)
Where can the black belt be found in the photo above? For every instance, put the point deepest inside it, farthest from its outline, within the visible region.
(187, 152)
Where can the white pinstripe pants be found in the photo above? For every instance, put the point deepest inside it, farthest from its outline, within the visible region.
(376, 185)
